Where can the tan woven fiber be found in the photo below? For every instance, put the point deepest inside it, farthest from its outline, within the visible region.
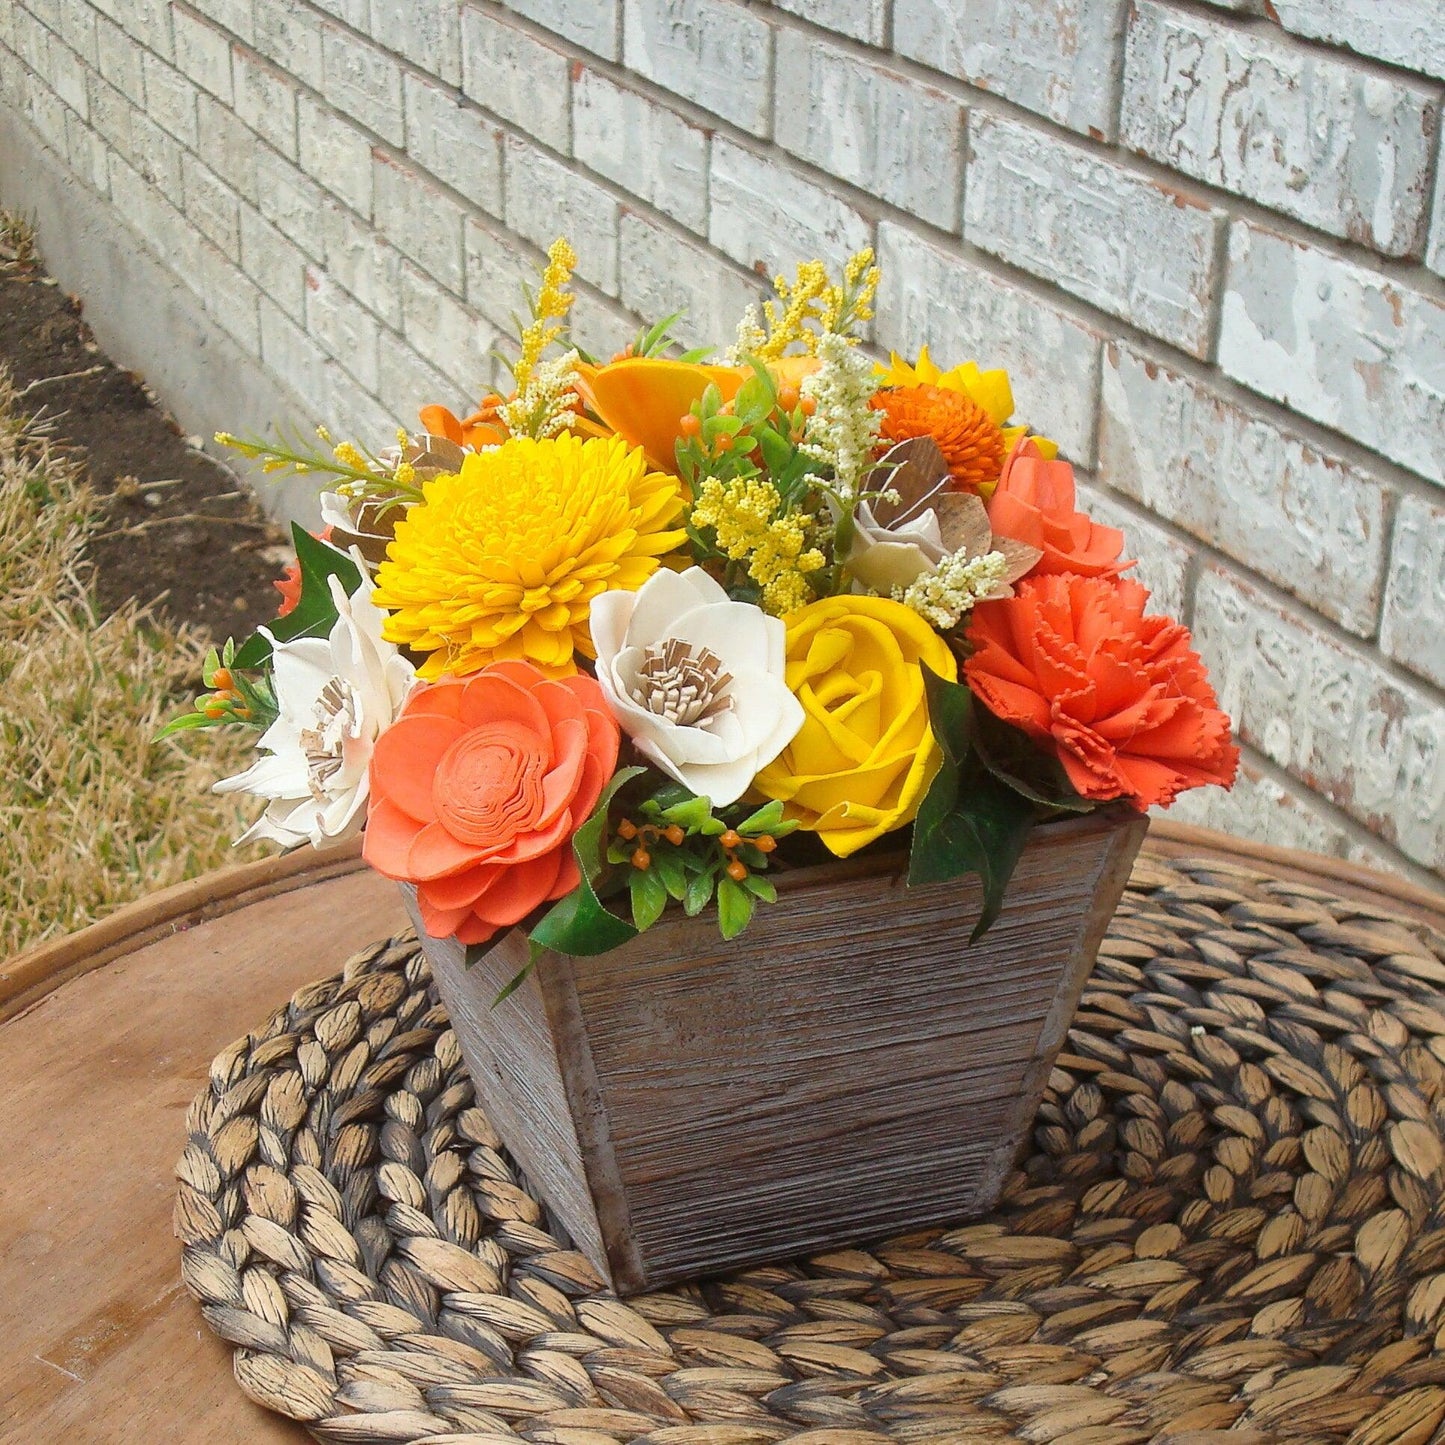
(1229, 1228)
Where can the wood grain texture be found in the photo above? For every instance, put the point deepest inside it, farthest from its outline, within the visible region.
(101, 1346)
(847, 1067)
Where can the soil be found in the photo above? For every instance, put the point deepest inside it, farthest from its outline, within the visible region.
(177, 529)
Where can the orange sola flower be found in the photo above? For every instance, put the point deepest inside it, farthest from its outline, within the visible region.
(970, 440)
(477, 789)
(480, 429)
(1122, 699)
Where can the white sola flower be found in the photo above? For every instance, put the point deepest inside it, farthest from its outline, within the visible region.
(696, 680)
(335, 696)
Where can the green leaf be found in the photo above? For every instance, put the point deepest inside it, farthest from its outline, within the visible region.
(649, 897)
(518, 978)
(1018, 763)
(969, 822)
(768, 819)
(578, 923)
(755, 399)
(699, 892)
(761, 886)
(734, 907)
(778, 451)
(315, 613)
(668, 865)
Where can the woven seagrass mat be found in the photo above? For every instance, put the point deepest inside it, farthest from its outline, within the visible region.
(1229, 1228)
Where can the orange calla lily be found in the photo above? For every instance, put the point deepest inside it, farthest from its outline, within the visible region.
(643, 398)
(478, 430)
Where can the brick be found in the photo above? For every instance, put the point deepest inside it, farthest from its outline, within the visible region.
(156, 157)
(517, 77)
(291, 201)
(1311, 522)
(961, 311)
(1435, 252)
(293, 357)
(1119, 240)
(598, 325)
(171, 101)
(595, 25)
(407, 383)
(364, 263)
(228, 146)
(85, 152)
(497, 269)
(1339, 343)
(110, 114)
(643, 146)
(155, 220)
(455, 142)
(203, 53)
(1408, 33)
(426, 32)
(662, 273)
(231, 299)
(288, 33)
(883, 131)
(1411, 630)
(212, 205)
(149, 22)
(271, 261)
(401, 199)
(439, 328)
(1259, 807)
(1314, 137)
(265, 100)
(120, 60)
(1327, 713)
(78, 29)
(768, 217)
(1058, 58)
(345, 330)
(545, 199)
(235, 16)
(334, 152)
(355, 13)
(46, 112)
(715, 53)
(67, 76)
(864, 20)
(1162, 562)
(364, 81)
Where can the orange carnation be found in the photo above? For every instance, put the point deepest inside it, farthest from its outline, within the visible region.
(970, 440)
(1034, 503)
(1120, 697)
(477, 789)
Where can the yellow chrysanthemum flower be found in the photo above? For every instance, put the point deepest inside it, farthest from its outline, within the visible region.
(502, 559)
(989, 389)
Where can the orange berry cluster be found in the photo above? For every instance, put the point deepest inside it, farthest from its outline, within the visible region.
(646, 836)
(225, 697)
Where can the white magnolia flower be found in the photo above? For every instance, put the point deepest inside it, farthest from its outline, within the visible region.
(696, 680)
(884, 557)
(335, 696)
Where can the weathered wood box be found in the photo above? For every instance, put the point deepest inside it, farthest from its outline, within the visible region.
(846, 1068)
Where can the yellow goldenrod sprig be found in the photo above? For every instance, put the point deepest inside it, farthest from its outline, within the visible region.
(366, 476)
(751, 525)
(552, 303)
(813, 306)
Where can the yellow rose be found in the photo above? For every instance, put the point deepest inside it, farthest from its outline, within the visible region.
(865, 755)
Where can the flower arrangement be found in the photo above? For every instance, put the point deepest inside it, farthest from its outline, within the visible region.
(643, 631)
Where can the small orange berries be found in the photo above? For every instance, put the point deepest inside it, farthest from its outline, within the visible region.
(690, 425)
(674, 835)
(222, 680)
(737, 871)
(724, 443)
(642, 859)
(627, 829)
(213, 709)
(731, 839)
(788, 397)
(765, 843)
(809, 405)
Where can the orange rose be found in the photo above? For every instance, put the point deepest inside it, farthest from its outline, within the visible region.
(477, 789)
(1120, 697)
(1034, 503)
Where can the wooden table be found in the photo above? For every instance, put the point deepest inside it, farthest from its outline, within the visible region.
(105, 1038)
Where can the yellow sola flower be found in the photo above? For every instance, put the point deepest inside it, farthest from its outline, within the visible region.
(989, 389)
(502, 559)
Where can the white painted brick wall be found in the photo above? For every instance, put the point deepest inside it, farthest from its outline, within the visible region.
(1123, 242)
(1316, 138)
(1206, 238)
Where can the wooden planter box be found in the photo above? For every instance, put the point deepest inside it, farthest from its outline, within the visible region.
(846, 1068)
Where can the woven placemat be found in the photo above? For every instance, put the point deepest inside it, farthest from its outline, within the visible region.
(1229, 1228)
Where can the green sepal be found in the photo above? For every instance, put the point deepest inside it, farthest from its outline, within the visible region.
(578, 923)
(969, 821)
(315, 613)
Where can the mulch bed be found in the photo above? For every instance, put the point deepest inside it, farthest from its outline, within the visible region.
(177, 528)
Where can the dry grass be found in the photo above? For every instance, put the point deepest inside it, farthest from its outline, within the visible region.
(93, 812)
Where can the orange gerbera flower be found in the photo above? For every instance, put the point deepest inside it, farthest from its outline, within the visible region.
(971, 441)
(1121, 698)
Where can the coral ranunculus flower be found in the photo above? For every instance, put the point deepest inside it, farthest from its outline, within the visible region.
(865, 754)
(502, 559)
(1120, 697)
(1034, 503)
(970, 439)
(477, 789)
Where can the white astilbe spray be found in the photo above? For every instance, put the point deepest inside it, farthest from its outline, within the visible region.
(843, 431)
(945, 596)
(547, 404)
(750, 338)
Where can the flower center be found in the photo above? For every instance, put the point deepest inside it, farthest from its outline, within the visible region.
(335, 718)
(681, 683)
(488, 787)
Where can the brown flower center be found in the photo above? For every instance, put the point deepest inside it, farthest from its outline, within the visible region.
(337, 711)
(682, 683)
